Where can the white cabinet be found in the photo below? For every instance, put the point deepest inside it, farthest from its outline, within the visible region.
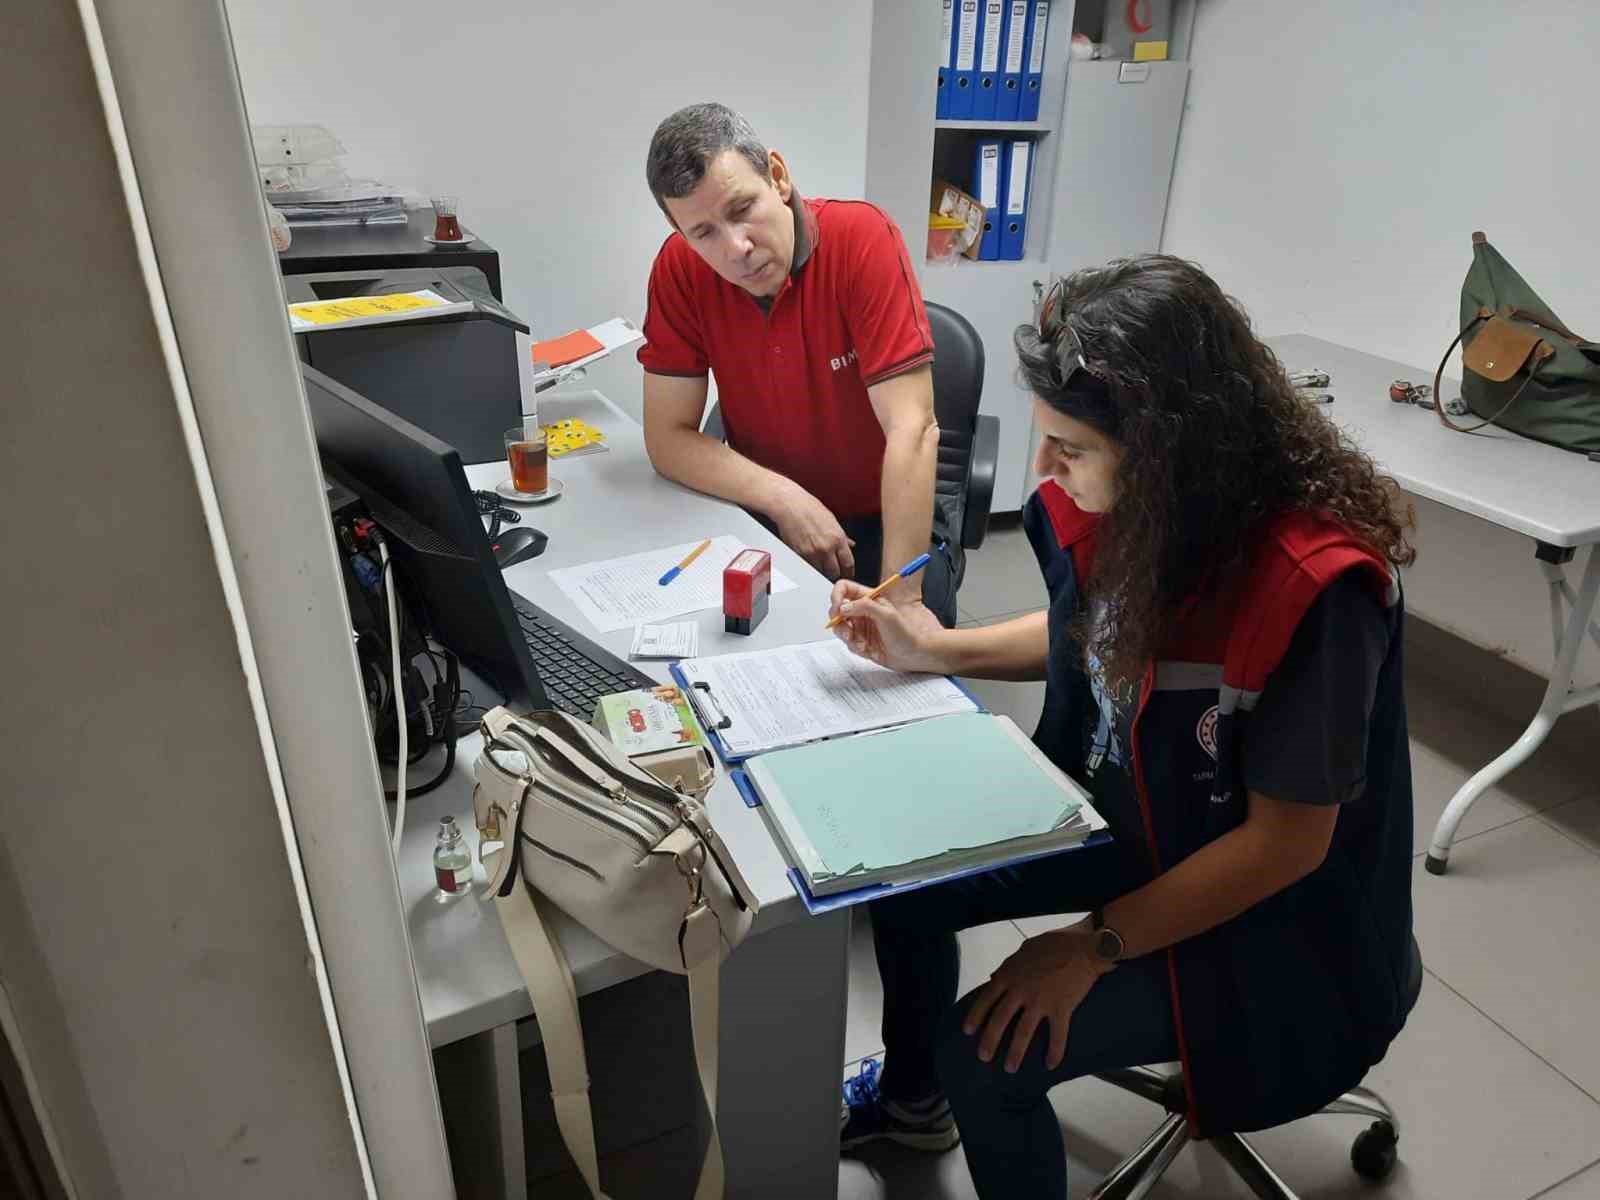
(1119, 138)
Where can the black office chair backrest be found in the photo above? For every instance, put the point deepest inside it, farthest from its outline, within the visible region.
(957, 389)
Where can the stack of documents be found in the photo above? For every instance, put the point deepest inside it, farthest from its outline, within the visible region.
(919, 802)
(764, 700)
(342, 207)
(576, 350)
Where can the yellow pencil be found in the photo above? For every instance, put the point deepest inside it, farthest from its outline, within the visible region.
(684, 565)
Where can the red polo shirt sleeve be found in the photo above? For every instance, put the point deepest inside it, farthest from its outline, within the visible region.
(674, 343)
(888, 325)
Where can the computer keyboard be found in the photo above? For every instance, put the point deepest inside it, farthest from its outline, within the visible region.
(575, 671)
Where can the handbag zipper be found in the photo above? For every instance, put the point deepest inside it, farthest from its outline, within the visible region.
(603, 812)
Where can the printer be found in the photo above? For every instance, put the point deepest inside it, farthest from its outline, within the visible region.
(454, 375)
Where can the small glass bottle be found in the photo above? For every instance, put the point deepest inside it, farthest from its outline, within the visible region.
(452, 861)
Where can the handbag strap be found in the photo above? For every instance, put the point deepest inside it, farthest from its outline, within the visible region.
(548, 975)
(1483, 314)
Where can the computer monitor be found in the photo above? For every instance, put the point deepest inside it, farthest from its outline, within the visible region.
(414, 487)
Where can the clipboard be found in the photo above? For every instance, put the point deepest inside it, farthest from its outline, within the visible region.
(818, 906)
(713, 719)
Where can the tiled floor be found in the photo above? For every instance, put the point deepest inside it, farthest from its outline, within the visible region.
(1496, 1076)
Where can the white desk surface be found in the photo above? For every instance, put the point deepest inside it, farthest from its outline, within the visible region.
(1542, 491)
(614, 504)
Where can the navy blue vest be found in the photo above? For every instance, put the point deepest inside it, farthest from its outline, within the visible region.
(1286, 1006)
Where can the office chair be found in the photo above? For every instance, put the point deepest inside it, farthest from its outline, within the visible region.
(969, 443)
(1372, 1155)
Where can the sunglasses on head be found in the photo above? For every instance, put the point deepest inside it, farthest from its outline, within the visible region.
(1053, 328)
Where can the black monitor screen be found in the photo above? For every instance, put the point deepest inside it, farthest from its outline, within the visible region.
(417, 492)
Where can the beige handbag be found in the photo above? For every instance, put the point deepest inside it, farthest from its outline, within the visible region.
(564, 818)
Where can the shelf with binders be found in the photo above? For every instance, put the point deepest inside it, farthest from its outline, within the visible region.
(980, 162)
(976, 126)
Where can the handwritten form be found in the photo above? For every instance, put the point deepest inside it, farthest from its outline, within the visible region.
(797, 694)
(619, 593)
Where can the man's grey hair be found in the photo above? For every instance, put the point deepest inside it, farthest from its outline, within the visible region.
(687, 142)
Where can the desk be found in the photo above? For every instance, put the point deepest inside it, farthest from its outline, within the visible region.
(783, 991)
(1547, 494)
(379, 247)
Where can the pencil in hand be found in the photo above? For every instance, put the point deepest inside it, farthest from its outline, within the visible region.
(911, 568)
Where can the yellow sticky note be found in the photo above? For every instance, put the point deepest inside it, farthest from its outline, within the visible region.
(1149, 52)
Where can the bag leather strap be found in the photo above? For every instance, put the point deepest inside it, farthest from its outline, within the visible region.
(1482, 315)
(548, 975)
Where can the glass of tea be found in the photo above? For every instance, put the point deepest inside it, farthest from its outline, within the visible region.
(528, 456)
(446, 225)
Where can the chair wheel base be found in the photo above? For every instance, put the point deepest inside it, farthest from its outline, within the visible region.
(1375, 1151)
(1436, 865)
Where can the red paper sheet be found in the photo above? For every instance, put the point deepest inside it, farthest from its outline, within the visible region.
(560, 351)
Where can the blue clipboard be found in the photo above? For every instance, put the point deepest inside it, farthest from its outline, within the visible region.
(711, 727)
(818, 905)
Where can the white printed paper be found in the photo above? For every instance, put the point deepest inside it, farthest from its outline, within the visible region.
(1019, 27)
(665, 642)
(798, 694)
(944, 41)
(1041, 21)
(989, 179)
(995, 9)
(1017, 185)
(619, 593)
(967, 47)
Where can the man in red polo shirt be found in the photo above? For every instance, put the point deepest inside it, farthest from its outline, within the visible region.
(808, 314)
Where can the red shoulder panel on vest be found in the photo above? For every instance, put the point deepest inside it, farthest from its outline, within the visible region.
(1299, 556)
(1073, 527)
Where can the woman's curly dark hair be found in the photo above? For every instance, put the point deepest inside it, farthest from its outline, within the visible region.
(1215, 442)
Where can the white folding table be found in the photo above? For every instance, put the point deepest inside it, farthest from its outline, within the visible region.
(1542, 492)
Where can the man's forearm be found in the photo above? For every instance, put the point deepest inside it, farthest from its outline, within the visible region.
(910, 460)
(707, 465)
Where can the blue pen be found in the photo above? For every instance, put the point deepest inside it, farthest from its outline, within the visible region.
(911, 568)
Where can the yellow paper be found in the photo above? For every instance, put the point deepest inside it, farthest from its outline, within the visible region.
(570, 435)
(332, 312)
(1149, 52)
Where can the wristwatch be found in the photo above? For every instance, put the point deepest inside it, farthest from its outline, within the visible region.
(1107, 942)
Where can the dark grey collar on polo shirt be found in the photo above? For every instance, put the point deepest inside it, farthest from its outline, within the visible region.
(802, 249)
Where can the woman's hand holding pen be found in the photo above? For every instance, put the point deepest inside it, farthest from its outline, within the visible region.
(902, 636)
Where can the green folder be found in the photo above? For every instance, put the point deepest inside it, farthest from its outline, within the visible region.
(918, 801)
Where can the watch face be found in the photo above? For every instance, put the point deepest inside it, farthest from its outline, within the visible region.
(1108, 944)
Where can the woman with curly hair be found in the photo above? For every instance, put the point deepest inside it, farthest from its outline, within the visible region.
(1222, 653)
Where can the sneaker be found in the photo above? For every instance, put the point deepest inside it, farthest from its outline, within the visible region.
(865, 1116)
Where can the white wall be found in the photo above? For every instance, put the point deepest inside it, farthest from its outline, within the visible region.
(539, 115)
(1333, 162)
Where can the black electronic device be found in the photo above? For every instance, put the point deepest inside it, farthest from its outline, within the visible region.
(346, 510)
(512, 546)
(416, 490)
(454, 374)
